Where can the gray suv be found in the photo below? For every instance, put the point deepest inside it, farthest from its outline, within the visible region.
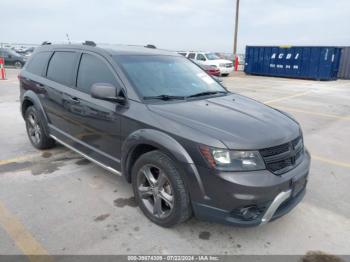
(186, 144)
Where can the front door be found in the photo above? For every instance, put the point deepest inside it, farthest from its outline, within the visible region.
(98, 121)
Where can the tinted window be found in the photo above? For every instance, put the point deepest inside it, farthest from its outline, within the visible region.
(191, 55)
(212, 56)
(38, 62)
(93, 70)
(4, 53)
(62, 67)
(201, 57)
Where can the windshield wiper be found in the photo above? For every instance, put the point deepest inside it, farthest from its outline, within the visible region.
(206, 93)
(164, 97)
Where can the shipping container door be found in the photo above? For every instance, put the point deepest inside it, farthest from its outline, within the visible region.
(256, 60)
(260, 63)
(335, 63)
(314, 65)
(267, 59)
(325, 63)
(305, 62)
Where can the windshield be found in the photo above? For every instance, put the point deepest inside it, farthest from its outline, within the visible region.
(166, 75)
(212, 56)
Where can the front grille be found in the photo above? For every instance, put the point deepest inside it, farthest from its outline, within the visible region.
(282, 158)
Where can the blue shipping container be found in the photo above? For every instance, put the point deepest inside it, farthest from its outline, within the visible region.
(321, 63)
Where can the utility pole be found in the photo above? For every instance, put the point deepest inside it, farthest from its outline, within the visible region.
(236, 29)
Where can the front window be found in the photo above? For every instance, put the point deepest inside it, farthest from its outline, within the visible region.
(212, 56)
(166, 75)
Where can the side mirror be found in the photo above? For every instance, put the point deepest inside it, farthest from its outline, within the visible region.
(108, 92)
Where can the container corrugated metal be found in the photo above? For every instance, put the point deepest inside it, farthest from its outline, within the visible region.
(321, 63)
(344, 67)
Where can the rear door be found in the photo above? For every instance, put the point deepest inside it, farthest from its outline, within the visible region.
(60, 81)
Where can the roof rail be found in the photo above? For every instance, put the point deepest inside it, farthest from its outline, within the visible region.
(150, 46)
(89, 43)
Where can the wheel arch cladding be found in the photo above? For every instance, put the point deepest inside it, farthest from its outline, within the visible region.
(145, 140)
(31, 99)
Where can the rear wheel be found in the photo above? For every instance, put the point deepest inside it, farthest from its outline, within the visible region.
(18, 64)
(35, 130)
(159, 189)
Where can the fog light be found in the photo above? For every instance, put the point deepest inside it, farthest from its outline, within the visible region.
(250, 212)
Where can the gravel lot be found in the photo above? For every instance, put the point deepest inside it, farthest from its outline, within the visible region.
(57, 203)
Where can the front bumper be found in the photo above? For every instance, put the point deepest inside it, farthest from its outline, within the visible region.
(225, 70)
(224, 197)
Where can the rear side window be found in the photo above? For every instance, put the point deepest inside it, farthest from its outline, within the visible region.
(93, 70)
(201, 57)
(191, 55)
(38, 63)
(62, 67)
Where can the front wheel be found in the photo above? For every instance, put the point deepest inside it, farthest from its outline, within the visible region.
(160, 190)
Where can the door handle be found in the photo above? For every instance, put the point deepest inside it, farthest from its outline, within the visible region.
(75, 100)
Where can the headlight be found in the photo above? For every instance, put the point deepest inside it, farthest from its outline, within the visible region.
(233, 160)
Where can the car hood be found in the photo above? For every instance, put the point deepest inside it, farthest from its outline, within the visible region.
(237, 121)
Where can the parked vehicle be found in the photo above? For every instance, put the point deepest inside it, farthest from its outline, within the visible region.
(211, 70)
(26, 51)
(185, 143)
(207, 58)
(12, 58)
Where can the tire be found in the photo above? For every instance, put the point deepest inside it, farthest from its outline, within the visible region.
(224, 74)
(161, 194)
(35, 129)
(18, 64)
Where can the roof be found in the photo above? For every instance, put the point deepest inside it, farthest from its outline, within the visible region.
(111, 50)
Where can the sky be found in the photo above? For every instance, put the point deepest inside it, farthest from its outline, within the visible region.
(178, 24)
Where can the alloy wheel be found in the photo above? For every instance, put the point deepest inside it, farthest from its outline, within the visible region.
(155, 191)
(34, 129)
(18, 64)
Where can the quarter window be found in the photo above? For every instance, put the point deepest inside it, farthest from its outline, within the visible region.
(62, 67)
(93, 70)
(38, 62)
(191, 55)
(201, 57)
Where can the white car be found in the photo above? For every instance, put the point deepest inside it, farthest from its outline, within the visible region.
(208, 58)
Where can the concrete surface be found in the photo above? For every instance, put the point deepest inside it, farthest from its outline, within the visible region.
(57, 203)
